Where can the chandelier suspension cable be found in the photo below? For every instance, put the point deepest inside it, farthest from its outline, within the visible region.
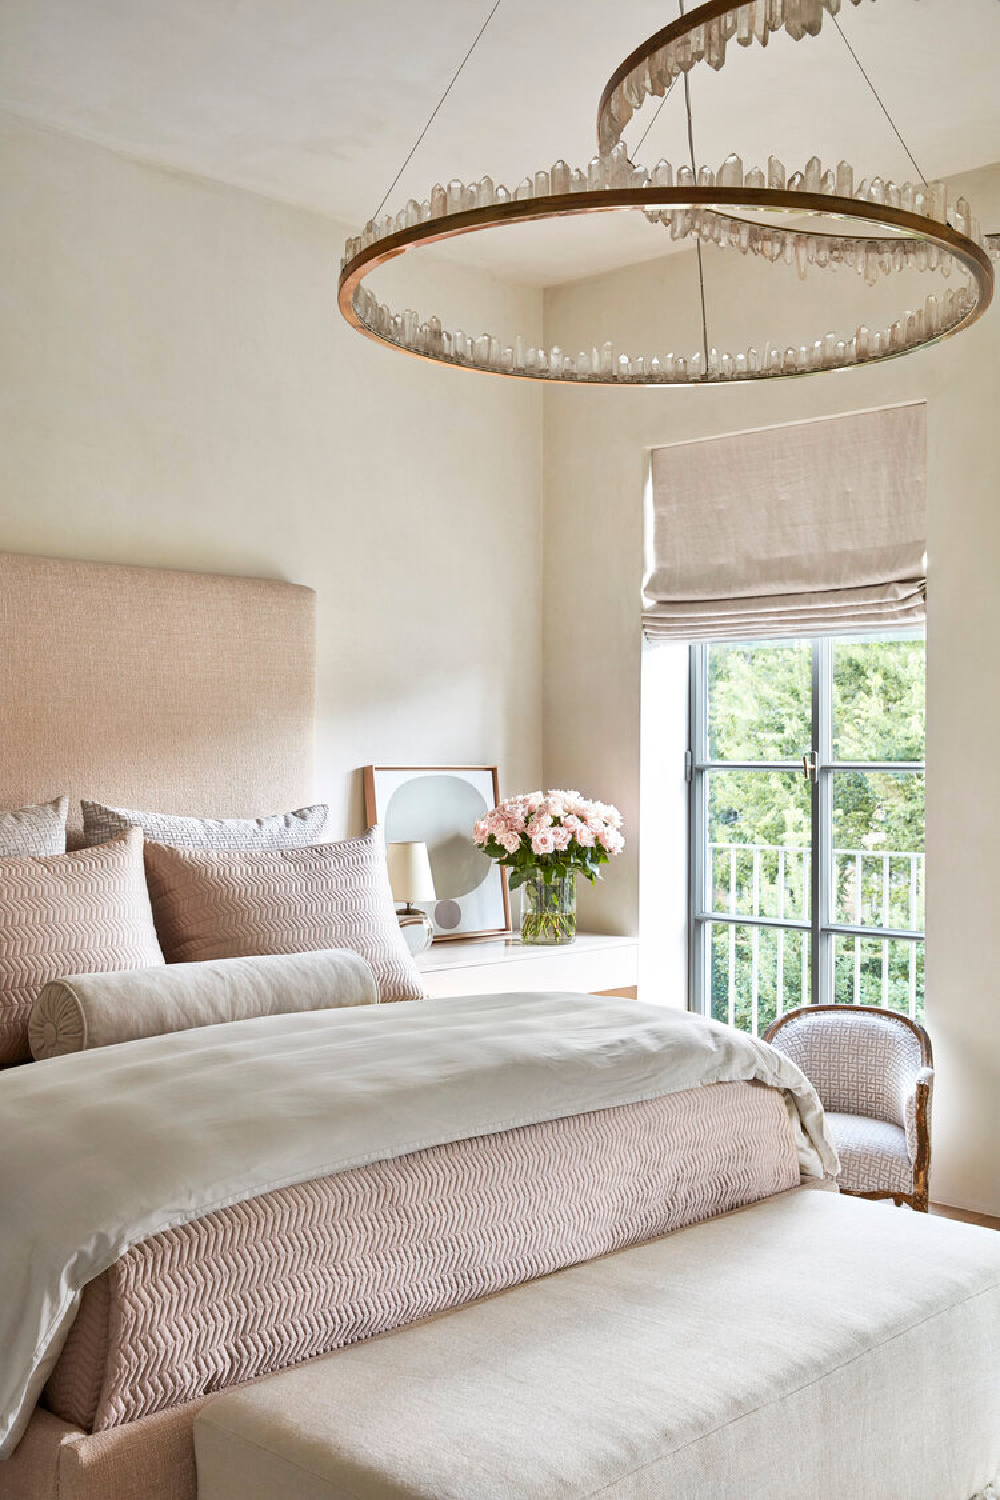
(878, 99)
(433, 114)
(697, 242)
(656, 115)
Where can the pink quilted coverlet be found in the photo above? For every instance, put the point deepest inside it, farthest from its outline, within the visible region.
(301, 1271)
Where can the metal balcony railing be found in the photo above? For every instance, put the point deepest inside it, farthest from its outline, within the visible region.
(876, 925)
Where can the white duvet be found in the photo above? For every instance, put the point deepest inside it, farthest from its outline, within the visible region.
(101, 1149)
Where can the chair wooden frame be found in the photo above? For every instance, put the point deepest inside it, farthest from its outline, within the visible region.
(920, 1197)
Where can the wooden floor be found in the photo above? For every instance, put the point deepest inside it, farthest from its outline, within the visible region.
(965, 1216)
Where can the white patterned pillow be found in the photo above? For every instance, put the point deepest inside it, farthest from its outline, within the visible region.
(279, 831)
(80, 913)
(233, 903)
(39, 829)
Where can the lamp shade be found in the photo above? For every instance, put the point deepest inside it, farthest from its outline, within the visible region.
(410, 872)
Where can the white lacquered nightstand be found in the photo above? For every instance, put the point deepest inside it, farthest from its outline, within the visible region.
(595, 964)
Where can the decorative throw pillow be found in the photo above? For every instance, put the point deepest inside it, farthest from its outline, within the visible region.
(85, 912)
(40, 829)
(98, 1010)
(279, 831)
(230, 904)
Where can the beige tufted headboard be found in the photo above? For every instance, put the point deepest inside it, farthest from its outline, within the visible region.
(179, 692)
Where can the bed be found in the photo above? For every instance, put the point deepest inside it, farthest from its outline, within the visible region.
(194, 693)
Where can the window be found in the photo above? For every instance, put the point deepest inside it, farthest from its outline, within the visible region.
(807, 826)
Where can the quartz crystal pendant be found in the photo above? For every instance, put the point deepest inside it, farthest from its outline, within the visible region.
(620, 174)
(937, 201)
(715, 44)
(812, 16)
(731, 172)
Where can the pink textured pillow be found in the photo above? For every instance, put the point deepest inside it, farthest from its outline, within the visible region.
(232, 903)
(80, 913)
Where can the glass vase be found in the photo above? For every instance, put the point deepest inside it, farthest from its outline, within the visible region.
(548, 908)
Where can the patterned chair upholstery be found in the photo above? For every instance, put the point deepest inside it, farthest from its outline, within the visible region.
(873, 1071)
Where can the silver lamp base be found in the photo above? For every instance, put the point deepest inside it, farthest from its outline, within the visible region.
(416, 927)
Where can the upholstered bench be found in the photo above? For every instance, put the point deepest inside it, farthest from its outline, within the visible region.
(812, 1346)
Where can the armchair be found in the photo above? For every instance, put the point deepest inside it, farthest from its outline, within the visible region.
(873, 1070)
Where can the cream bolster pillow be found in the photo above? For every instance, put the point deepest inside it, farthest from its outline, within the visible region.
(97, 1010)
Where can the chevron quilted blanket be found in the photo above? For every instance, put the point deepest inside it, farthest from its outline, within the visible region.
(103, 1150)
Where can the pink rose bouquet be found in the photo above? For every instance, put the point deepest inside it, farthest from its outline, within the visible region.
(551, 833)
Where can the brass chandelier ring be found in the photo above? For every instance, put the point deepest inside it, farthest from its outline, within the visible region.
(365, 314)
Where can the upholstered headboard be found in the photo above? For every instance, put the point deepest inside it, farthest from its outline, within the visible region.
(182, 692)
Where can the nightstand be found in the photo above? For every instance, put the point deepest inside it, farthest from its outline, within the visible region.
(595, 964)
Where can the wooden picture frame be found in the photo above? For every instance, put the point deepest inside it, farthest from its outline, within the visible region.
(437, 805)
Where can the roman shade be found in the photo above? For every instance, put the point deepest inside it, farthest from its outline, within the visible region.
(809, 529)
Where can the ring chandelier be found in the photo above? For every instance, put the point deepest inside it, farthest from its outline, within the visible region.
(908, 226)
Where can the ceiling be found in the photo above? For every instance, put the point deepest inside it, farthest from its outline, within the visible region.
(317, 102)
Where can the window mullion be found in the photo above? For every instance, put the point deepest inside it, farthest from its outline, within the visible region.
(822, 822)
(699, 934)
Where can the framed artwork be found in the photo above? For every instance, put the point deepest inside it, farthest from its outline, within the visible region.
(437, 806)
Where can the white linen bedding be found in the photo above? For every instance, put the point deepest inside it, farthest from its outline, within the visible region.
(103, 1149)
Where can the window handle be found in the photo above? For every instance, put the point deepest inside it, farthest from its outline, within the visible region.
(809, 766)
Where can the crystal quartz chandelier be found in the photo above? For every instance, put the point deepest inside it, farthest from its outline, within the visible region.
(881, 228)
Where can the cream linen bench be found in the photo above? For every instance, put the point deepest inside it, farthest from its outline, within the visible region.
(811, 1346)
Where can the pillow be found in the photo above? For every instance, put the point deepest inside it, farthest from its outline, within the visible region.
(280, 831)
(97, 1010)
(228, 904)
(40, 829)
(67, 914)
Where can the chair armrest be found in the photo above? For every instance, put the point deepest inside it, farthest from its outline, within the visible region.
(917, 1124)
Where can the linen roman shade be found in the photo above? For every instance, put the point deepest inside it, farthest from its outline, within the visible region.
(809, 529)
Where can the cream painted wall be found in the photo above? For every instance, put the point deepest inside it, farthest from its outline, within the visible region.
(177, 388)
(596, 448)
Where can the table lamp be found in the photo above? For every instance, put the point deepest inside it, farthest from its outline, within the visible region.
(411, 880)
